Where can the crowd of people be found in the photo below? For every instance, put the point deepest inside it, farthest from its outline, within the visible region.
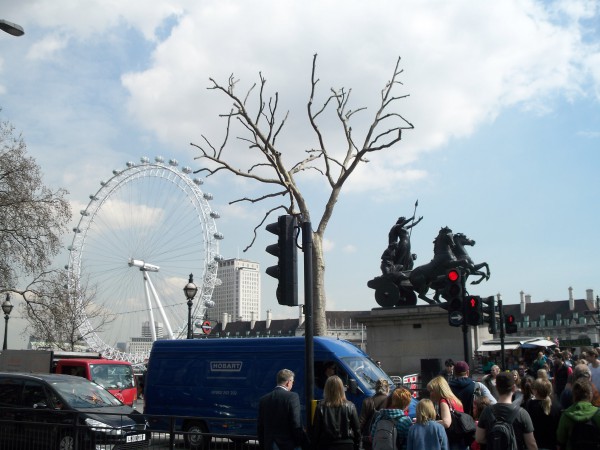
(552, 404)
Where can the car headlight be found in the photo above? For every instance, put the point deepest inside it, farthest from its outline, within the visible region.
(102, 427)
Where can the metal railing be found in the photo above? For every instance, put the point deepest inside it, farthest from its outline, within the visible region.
(29, 429)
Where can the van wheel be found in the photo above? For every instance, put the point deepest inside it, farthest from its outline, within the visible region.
(196, 437)
(66, 442)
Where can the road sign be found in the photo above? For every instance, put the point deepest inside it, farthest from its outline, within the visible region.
(206, 327)
(455, 318)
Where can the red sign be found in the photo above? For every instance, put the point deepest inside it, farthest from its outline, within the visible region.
(206, 327)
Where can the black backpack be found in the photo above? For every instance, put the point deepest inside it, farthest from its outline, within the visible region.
(500, 433)
(585, 435)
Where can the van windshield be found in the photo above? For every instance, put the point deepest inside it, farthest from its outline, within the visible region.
(112, 376)
(366, 371)
(84, 394)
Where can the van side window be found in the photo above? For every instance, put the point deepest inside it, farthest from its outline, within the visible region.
(10, 392)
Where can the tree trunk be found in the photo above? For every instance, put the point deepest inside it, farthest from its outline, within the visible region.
(319, 299)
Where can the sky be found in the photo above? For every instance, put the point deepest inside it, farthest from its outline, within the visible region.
(504, 98)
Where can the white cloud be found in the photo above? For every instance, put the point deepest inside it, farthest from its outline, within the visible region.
(47, 47)
(484, 68)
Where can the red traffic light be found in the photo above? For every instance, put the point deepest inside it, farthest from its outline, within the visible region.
(473, 302)
(453, 275)
(510, 319)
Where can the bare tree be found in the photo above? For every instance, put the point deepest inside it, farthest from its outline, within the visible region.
(32, 217)
(261, 125)
(55, 314)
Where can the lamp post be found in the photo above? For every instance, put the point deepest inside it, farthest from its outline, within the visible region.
(190, 291)
(11, 28)
(7, 307)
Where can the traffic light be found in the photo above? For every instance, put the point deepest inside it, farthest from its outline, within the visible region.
(452, 292)
(286, 270)
(489, 312)
(453, 285)
(473, 310)
(510, 326)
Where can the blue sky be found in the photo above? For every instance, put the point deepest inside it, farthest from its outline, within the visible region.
(504, 98)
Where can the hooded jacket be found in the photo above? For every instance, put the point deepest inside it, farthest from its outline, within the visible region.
(579, 412)
(463, 388)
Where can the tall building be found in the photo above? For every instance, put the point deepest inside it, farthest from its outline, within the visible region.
(238, 296)
(147, 331)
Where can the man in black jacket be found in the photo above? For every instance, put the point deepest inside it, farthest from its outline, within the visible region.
(279, 422)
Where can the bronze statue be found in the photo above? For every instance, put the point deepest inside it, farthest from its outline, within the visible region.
(460, 240)
(399, 236)
(400, 284)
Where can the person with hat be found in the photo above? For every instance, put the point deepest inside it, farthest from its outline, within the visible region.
(464, 387)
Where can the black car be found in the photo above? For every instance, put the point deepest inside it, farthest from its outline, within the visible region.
(52, 411)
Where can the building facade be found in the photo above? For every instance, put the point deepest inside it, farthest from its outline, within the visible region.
(239, 294)
(572, 323)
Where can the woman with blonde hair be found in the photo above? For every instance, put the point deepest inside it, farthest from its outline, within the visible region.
(545, 414)
(445, 400)
(335, 425)
(426, 434)
(398, 402)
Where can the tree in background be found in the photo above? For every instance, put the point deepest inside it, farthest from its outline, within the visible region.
(56, 316)
(32, 216)
(260, 125)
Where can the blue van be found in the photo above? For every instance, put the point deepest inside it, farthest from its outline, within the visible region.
(219, 381)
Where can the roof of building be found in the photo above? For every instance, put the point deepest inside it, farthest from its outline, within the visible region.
(550, 308)
(286, 327)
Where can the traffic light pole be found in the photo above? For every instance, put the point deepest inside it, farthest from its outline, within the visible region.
(307, 248)
(465, 330)
(502, 333)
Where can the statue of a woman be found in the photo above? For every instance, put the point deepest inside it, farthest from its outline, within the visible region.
(400, 237)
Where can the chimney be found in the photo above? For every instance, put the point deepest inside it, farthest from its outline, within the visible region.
(522, 294)
(571, 299)
(252, 319)
(528, 298)
(268, 321)
(301, 315)
(589, 295)
(223, 321)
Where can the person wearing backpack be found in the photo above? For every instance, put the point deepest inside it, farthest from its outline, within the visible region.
(446, 402)
(426, 434)
(390, 426)
(369, 408)
(579, 425)
(465, 388)
(505, 426)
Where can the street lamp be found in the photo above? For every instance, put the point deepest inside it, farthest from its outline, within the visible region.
(190, 291)
(11, 28)
(7, 307)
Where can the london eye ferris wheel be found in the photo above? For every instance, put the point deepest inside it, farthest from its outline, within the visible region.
(143, 232)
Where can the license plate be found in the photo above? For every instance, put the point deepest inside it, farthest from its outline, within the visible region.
(135, 437)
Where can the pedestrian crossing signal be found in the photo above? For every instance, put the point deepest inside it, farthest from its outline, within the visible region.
(474, 310)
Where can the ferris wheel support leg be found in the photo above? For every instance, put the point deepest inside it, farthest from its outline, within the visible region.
(148, 300)
(160, 309)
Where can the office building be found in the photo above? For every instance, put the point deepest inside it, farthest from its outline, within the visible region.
(238, 296)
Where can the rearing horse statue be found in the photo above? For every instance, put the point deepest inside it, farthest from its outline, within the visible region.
(424, 276)
(460, 240)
